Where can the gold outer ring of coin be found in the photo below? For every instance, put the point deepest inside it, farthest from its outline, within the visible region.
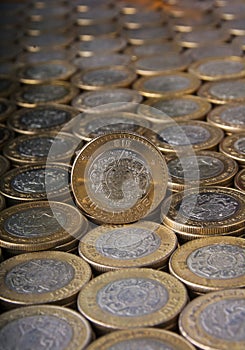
(167, 314)
(239, 180)
(124, 141)
(194, 84)
(160, 335)
(196, 68)
(222, 179)
(81, 330)
(191, 326)
(12, 298)
(182, 224)
(178, 265)
(215, 118)
(10, 108)
(149, 111)
(75, 226)
(100, 262)
(227, 146)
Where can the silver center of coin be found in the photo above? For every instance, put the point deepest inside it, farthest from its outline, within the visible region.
(218, 261)
(40, 332)
(184, 135)
(220, 68)
(132, 297)
(44, 118)
(240, 145)
(228, 89)
(104, 77)
(165, 84)
(143, 344)
(176, 108)
(225, 319)
(45, 71)
(209, 206)
(234, 115)
(35, 222)
(38, 276)
(127, 243)
(45, 93)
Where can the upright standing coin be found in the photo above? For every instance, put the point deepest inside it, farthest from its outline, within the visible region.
(132, 298)
(215, 321)
(97, 30)
(119, 178)
(234, 146)
(240, 180)
(43, 326)
(42, 278)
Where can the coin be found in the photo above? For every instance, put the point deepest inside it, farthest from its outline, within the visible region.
(99, 45)
(223, 91)
(235, 26)
(147, 35)
(201, 37)
(143, 244)
(96, 15)
(205, 168)
(240, 42)
(186, 107)
(214, 69)
(151, 49)
(106, 77)
(7, 86)
(6, 108)
(230, 12)
(233, 146)
(142, 19)
(187, 135)
(119, 178)
(102, 60)
(210, 264)
(55, 92)
(230, 117)
(85, 5)
(36, 182)
(132, 298)
(46, 40)
(215, 321)
(107, 100)
(205, 211)
(43, 325)
(240, 180)
(44, 55)
(188, 8)
(167, 85)
(46, 118)
(4, 165)
(42, 278)
(6, 135)
(36, 149)
(40, 225)
(191, 23)
(141, 338)
(96, 30)
(49, 25)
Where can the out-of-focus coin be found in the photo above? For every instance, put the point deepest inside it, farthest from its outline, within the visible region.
(7, 86)
(107, 100)
(231, 11)
(54, 92)
(240, 180)
(147, 35)
(213, 50)
(201, 37)
(6, 135)
(44, 13)
(205, 168)
(144, 244)
(45, 72)
(141, 338)
(40, 225)
(48, 40)
(209, 264)
(86, 5)
(96, 15)
(152, 49)
(235, 26)
(223, 91)
(240, 42)
(129, 7)
(98, 46)
(218, 68)
(42, 325)
(102, 60)
(4, 165)
(189, 23)
(45, 55)
(119, 178)
(215, 321)
(230, 117)
(106, 77)
(234, 146)
(46, 118)
(186, 107)
(42, 278)
(167, 85)
(97, 30)
(132, 298)
(187, 8)
(6, 108)
(194, 134)
(142, 19)
(49, 25)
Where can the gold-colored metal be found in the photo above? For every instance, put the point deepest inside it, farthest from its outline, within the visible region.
(240, 180)
(233, 146)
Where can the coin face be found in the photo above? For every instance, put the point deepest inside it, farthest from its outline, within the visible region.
(148, 35)
(143, 19)
(200, 37)
(235, 26)
(96, 15)
(138, 51)
(202, 328)
(102, 60)
(100, 45)
(234, 146)
(46, 40)
(119, 177)
(95, 30)
(45, 55)
(213, 50)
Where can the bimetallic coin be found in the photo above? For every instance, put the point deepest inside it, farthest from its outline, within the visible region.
(101, 78)
(208, 264)
(215, 321)
(143, 50)
(191, 23)
(234, 146)
(147, 35)
(4, 165)
(235, 26)
(44, 13)
(44, 326)
(96, 15)
(142, 338)
(232, 11)
(230, 117)
(98, 46)
(49, 54)
(6, 135)
(54, 92)
(186, 107)
(97, 30)
(107, 100)
(205, 168)
(46, 40)
(201, 37)
(86, 5)
(167, 85)
(205, 211)
(42, 278)
(223, 91)
(7, 86)
(214, 69)
(119, 178)
(144, 244)
(40, 225)
(142, 19)
(240, 42)
(240, 180)
(102, 60)
(34, 28)
(132, 298)
(6, 108)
